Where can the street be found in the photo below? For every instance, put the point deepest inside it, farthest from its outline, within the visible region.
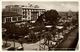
(33, 27)
(33, 46)
(69, 40)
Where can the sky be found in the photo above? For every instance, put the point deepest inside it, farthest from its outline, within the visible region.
(59, 6)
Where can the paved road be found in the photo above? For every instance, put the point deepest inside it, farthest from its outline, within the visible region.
(65, 44)
(29, 47)
(70, 41)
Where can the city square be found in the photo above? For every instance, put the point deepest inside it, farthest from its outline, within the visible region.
(32, 27)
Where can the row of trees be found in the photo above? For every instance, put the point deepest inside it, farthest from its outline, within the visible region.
(14, 33)
(50, 17)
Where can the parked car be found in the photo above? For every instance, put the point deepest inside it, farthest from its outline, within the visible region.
(20, 48)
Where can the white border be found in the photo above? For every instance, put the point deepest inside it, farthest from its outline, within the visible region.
(1, 25)
(31, 0)
(40, 0)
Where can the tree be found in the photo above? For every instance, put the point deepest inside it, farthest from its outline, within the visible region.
(10, 33)
(47, 37)
(50, 17)
(23, 30)
(36, 6)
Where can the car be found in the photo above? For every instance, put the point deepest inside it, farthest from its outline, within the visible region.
(20, 48)
(54, 43)
(27, 36)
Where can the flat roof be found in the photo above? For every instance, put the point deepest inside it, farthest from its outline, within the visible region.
(10, 14)
(33, 8)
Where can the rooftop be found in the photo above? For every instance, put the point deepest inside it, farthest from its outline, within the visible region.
(10, 14)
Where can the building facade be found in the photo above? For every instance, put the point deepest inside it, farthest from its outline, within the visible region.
(10, 17)
(29, 13)
(13, 8)
(32, 13)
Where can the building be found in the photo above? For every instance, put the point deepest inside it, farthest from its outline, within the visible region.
(10, 17)
(67, 16)
(29, 13)
(13, 8)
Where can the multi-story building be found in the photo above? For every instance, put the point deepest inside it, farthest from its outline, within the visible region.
(13, 8)
(10, 17)
(29, 13)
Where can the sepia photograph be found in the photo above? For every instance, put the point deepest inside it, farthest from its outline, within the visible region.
(40, 26)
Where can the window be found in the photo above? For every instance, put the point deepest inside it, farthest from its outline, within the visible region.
(19, 18)
(14, 19)
(32, 10)
(25, 13)
(34, 15)
(28, 13)
(8, 19)
(42, 12)
(28, 18)
(24, 16)
(24, 10)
